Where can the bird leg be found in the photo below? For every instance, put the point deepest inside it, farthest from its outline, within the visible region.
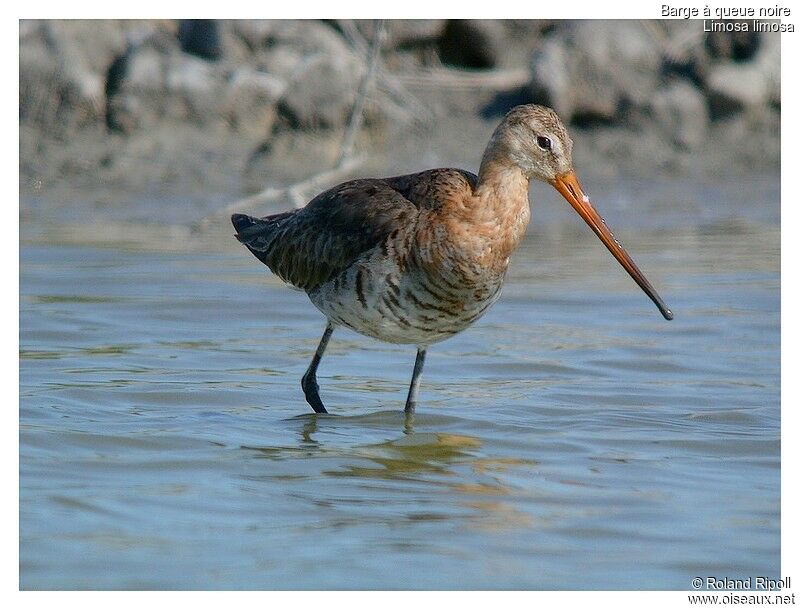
(411, 401)
(309, 381)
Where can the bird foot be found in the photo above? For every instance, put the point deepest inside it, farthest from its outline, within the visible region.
(311, 391)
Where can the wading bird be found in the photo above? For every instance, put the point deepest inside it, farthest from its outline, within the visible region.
(416, 259)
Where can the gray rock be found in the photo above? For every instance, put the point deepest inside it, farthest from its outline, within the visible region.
(39, 100)
(523, 37)
(683, 48)
(124, 113)
(194, 89)
(472, 43)
(289, 155)
(250, 100)
(283, 47)
(145, 70)
(254, 32)
(281, 61)
(769, 61)
(681, 114)
(306, 37)
(138, 98)
(95, 43)
(736, 45)
(594, 68)
(188, 75)
(322, 93)
(201, 37)
(734, 87)
(156, 81)
(404, 33)
(550, 78)
(63, 67)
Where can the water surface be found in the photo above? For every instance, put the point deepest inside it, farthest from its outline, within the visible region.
(571, 439)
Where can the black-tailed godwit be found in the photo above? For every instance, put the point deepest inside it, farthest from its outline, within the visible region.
(416, 259)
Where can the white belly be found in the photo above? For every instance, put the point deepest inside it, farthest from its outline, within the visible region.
(374, 298)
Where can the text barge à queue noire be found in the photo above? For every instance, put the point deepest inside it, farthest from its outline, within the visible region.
(722, 12)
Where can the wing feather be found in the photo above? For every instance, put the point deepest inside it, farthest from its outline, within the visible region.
(312, 245)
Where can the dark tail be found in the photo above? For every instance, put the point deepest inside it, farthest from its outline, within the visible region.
(249, 228)
(258, 233)
(242, 222)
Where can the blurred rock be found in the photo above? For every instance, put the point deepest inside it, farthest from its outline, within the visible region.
(194, 89)
(322, 93)
(550, 78)
(94, 43)
(144, 69)
(736, 45)
(124, 113)
(156, 80)
(684, 51)
(251, 99)
(288, 155)
(472, 43)
(154, 100)
(768, 60)
(279, 60)
(63, 68)
(38, 77)
(408, 44)
(305, 37)
(594, 67)
(189, 75)
(525, 28)
(523, 37)
(283, 47)
(405, 33)
(735, 87)
(136, 96)
(681, 114)
(254, 32)
(201, 37)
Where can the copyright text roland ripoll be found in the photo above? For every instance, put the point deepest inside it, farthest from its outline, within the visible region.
(753, 590)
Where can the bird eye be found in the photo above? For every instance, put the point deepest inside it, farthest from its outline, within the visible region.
(543, 142)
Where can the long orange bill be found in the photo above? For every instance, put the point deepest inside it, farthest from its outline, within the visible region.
(569, 187)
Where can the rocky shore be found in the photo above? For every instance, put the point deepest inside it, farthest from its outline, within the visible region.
(208, 111)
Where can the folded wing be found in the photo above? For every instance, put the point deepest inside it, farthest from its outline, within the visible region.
(312, 245)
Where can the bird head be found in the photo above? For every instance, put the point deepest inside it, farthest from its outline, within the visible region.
(533, 139)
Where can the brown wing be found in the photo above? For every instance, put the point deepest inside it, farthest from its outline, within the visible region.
(431, 188)
(310, 246)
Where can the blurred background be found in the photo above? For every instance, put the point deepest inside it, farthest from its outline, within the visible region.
(124, 111)
(571, 439)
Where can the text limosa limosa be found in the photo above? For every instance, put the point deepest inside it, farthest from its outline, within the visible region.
(416, 259)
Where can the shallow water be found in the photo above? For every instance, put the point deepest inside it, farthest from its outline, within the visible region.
(572, 439)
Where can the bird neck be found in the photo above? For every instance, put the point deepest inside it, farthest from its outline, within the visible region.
(499, 178)
(481, 228)
(489, 225)
(502, 194)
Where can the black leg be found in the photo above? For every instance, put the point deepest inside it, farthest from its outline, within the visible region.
(309, 381)
(411, 401)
